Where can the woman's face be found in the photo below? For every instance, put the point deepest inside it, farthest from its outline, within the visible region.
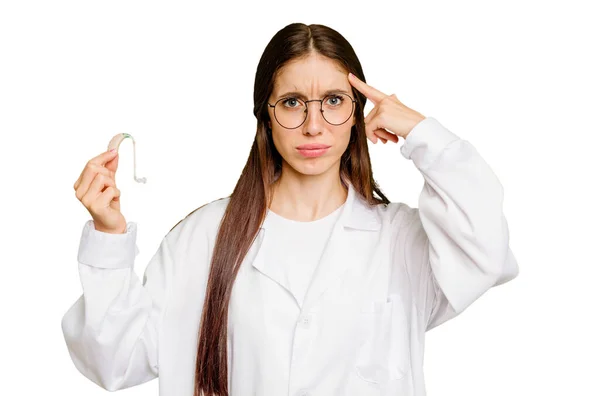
(311, 78)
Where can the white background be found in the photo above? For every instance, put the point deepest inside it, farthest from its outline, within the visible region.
(518, 79)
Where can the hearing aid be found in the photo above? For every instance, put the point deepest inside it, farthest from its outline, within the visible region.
(115, 142)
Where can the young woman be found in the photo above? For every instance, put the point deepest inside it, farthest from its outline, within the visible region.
(306, 280)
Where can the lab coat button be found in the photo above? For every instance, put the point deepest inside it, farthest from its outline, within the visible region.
(303, 392)
(304, 321)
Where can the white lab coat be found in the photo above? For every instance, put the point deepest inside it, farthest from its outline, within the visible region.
(387, 275)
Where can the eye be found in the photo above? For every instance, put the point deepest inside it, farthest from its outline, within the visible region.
(337, 100)
(290, 102)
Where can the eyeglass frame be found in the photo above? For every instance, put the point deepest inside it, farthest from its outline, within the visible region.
(354, 101)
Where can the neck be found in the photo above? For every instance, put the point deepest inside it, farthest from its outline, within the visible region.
(306, 197)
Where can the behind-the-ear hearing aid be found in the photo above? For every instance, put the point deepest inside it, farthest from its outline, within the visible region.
(115, 142)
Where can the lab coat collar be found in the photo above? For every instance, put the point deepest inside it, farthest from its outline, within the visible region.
(349, 247)
(356, 213)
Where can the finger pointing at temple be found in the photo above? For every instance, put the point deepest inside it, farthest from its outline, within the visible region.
(371, 93)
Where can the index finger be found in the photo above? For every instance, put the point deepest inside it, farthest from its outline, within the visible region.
(371, 93)
(98, 160)
(103, 158)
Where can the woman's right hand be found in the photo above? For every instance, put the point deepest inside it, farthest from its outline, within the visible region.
(98, 192)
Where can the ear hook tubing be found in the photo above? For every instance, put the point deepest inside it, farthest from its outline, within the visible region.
(115, 142)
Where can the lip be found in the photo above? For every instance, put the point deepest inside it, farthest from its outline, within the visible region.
(312, 150)
(313, 146)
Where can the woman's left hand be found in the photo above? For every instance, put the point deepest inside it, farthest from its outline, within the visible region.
(389, 114)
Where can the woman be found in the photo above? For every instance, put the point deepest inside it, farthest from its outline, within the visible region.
(303, 281)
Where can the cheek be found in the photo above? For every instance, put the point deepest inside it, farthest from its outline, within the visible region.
(346, 136)
(342, 141)
(282, 142)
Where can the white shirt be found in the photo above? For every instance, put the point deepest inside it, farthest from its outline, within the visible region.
(387, 275)
(299, 248)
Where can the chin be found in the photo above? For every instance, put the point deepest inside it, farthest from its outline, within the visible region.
(312, 167)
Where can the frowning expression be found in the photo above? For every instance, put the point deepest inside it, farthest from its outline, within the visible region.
(316, 145)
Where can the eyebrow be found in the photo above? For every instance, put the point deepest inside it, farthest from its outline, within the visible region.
(302, 96)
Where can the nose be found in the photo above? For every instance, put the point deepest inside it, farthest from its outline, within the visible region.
(314, 122)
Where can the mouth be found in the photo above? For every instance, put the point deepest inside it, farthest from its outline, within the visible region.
(313, 150)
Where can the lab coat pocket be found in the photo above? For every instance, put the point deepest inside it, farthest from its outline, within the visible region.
(383, 355)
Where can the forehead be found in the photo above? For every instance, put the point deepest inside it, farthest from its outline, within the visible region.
(313, 75)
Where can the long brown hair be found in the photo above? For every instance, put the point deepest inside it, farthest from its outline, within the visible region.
(252, 194)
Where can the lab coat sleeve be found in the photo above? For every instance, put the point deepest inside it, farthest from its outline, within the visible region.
(456, 244)
(112, 330)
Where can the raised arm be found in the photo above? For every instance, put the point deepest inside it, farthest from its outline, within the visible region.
(456, 243)
(111, 331)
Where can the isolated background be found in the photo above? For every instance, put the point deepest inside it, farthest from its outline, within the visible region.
(518, 79)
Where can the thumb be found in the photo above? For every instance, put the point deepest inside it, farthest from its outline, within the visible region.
(113, 163)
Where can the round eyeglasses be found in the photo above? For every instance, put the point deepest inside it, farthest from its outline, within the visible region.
(291, 112)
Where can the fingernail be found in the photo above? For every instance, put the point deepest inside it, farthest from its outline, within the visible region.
(351, 75)
(112, 150)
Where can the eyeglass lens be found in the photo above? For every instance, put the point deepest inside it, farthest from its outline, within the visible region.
(291, 112)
